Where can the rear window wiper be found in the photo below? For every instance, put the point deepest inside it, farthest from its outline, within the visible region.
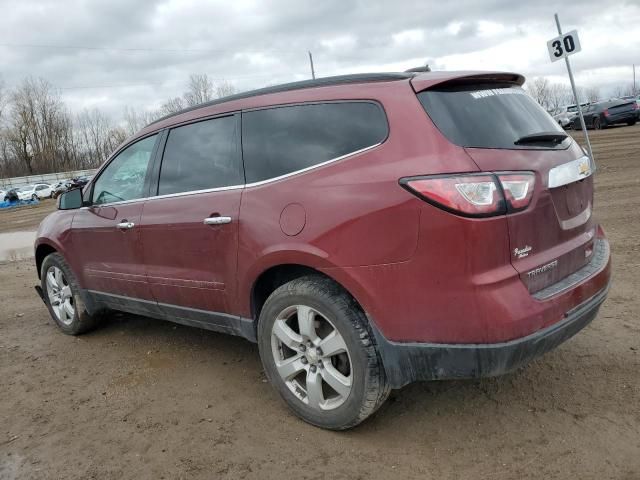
(542, 137)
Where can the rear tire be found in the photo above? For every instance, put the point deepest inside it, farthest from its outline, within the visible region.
(62, 297)
(596, 124)
(298, 360)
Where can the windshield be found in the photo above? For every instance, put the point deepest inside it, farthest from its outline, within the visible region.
(572, 108)
(489, 116)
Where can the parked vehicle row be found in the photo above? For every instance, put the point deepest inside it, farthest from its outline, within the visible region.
(36, 191)
(566, 115)
(610, 112)
(39, 191)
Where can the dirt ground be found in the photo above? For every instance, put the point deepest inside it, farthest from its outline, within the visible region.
(25, 218)
(147, 399)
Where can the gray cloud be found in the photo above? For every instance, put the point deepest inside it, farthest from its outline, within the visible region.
(253, 43)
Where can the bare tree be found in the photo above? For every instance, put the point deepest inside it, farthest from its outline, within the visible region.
(539, 90)
(3, 100)
(40, 129)
(93, 138)
(623, 90)
(558, 95)
(172, 105)
(135, 120)
(224, 89)
(592, 94)
(199, 90)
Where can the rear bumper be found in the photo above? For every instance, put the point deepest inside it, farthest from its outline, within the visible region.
(408, 362)
(622, 117)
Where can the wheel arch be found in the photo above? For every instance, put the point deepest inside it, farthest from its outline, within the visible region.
(277, 275)
(42, 250)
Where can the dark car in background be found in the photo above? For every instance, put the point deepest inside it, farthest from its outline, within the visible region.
(78, 182)
(611, 112)
(11, 195)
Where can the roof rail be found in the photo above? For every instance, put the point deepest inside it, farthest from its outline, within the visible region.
(303, 84)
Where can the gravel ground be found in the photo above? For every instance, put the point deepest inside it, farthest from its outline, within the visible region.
(146, 399)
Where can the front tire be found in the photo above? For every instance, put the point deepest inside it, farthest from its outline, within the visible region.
(62, 297)
(319, 354)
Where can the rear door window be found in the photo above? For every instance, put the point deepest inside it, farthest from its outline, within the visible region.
(202, 156)
(282, 140)
(488, 116)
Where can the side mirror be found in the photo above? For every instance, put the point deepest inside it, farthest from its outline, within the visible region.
(70, 200)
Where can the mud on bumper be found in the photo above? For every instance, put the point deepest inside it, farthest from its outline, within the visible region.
(408, 362)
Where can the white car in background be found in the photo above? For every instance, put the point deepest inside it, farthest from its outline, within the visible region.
(37, 191)
(566, 114)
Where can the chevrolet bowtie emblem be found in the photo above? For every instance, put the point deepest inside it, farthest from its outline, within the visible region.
(584, 168)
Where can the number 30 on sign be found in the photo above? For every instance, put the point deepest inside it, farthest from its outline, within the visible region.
(564, 45)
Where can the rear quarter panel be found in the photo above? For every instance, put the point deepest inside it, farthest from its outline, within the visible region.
(355, 212)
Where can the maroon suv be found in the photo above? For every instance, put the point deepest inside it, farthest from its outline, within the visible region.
(366, 230)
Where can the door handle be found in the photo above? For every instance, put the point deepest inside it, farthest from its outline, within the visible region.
(126, 225)
(217, 220)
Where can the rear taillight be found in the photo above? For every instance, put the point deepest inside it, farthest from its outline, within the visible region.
(475, 194)
(634, 106)
(518, 189)
(605, 112)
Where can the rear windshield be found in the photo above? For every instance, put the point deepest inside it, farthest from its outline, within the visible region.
(488, 116)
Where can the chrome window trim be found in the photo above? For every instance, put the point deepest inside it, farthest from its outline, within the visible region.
(312, 167)
(570, 172)
(196, 192)
(247, 185)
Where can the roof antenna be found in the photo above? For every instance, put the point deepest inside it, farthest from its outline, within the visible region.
(313, 72)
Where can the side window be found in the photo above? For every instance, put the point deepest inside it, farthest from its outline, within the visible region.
(202, 155)
(123, 178)
(282, 140)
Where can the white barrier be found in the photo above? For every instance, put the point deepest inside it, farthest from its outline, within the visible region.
(50, 178)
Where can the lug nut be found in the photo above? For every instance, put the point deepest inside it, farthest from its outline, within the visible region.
(313, 369)
(303, 347)
(320, 364)
(304, 360)
(319, 351)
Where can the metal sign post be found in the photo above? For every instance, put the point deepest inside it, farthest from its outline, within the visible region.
(562, 47)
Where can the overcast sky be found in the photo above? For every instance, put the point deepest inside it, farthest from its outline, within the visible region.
(140, 52)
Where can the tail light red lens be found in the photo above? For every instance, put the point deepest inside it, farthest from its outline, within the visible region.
(634, 106)
(476, 194)
(605, 112)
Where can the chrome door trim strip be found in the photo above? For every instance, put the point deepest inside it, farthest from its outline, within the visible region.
(312, 167)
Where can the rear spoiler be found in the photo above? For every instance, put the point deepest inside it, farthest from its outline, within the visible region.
(441, 79)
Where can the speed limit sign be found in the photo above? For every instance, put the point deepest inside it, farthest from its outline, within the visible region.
(564, 45)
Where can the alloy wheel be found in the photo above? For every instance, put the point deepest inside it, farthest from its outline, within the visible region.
(311, 357)
(60, 295)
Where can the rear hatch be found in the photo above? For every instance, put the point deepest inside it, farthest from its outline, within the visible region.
(500, 128)
(621, 109)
